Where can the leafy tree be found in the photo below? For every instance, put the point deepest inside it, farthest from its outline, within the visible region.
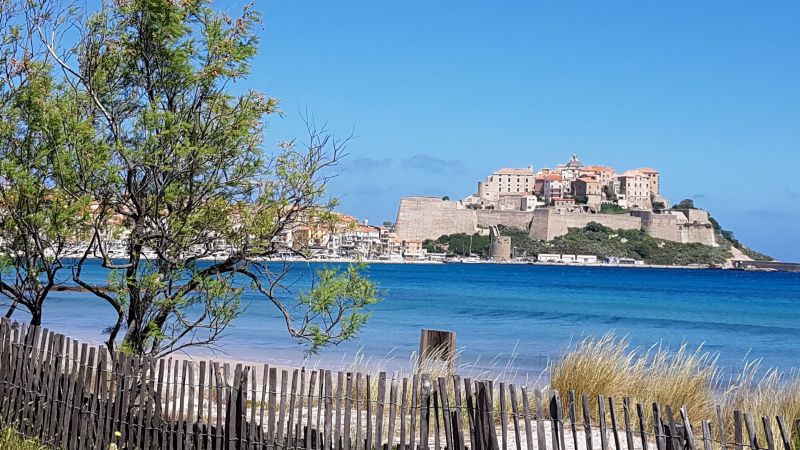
(686, 203)
(463, 244)
(597, 228)
(445, 198)
(179, 175)
(39, 220)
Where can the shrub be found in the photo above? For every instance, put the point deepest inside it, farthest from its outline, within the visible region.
(612, 208)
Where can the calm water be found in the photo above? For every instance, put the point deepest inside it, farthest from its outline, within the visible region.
(533, 310)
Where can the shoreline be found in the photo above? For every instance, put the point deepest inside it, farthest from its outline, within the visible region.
(480, 262)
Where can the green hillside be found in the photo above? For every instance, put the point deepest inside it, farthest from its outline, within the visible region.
(596, 239)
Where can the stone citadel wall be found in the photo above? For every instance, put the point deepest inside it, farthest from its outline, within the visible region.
(420, 218)
(549, 224)
(516, 219)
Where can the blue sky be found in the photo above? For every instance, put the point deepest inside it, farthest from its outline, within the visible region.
(440, 93)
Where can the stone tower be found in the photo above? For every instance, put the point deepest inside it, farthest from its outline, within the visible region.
(500, 246)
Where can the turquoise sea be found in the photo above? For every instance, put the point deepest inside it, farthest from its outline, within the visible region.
(533, 311)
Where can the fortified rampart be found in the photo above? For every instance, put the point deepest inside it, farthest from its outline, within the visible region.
(679, 225)
(516, 219)
(421, 218)
(549, 223)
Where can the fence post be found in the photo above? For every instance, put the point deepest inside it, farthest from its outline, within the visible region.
(438, 345)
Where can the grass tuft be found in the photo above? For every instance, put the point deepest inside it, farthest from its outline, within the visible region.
(11, 440)
(608, 366)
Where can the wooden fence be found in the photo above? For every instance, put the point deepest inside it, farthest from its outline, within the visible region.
(71, 395)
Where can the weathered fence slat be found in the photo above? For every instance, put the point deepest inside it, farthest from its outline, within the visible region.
(328, 438)
(540, 436)
(687, 426)
(512, 392)
(273, 386)
(290, 432)
(471, 414)
(784, 435)
(673, 430)
(424, 418)
(768, 432)
(658, 428)
(436, 429)
(392, 412)
(706, 430)
(381, 397)
(448, 429)
(337, 429)
(601, 421)
(503, 417)
(348, 405)
(311, 385)
(642, 433)
(737, 430)
(723, 439)
(282, 409)
(751, 431)
(626, 418)
(614, 425)
(572, 418)
(557, 418)
(527, 414)
(587, 422)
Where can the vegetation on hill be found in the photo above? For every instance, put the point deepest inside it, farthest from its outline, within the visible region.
(597, 239)
(594, 239)
(602, 241)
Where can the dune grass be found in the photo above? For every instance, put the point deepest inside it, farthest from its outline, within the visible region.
(681, 377)
(764, 392)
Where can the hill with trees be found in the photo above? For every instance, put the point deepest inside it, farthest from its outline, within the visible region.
(597, 239)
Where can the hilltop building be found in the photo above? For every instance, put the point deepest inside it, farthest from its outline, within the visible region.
(548, 202)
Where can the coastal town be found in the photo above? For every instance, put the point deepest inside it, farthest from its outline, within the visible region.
(544, 203)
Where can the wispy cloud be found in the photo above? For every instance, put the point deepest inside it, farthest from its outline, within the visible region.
(366, 164)
(433, 164)
(771, 213)
(699, 196)
(790, 193)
